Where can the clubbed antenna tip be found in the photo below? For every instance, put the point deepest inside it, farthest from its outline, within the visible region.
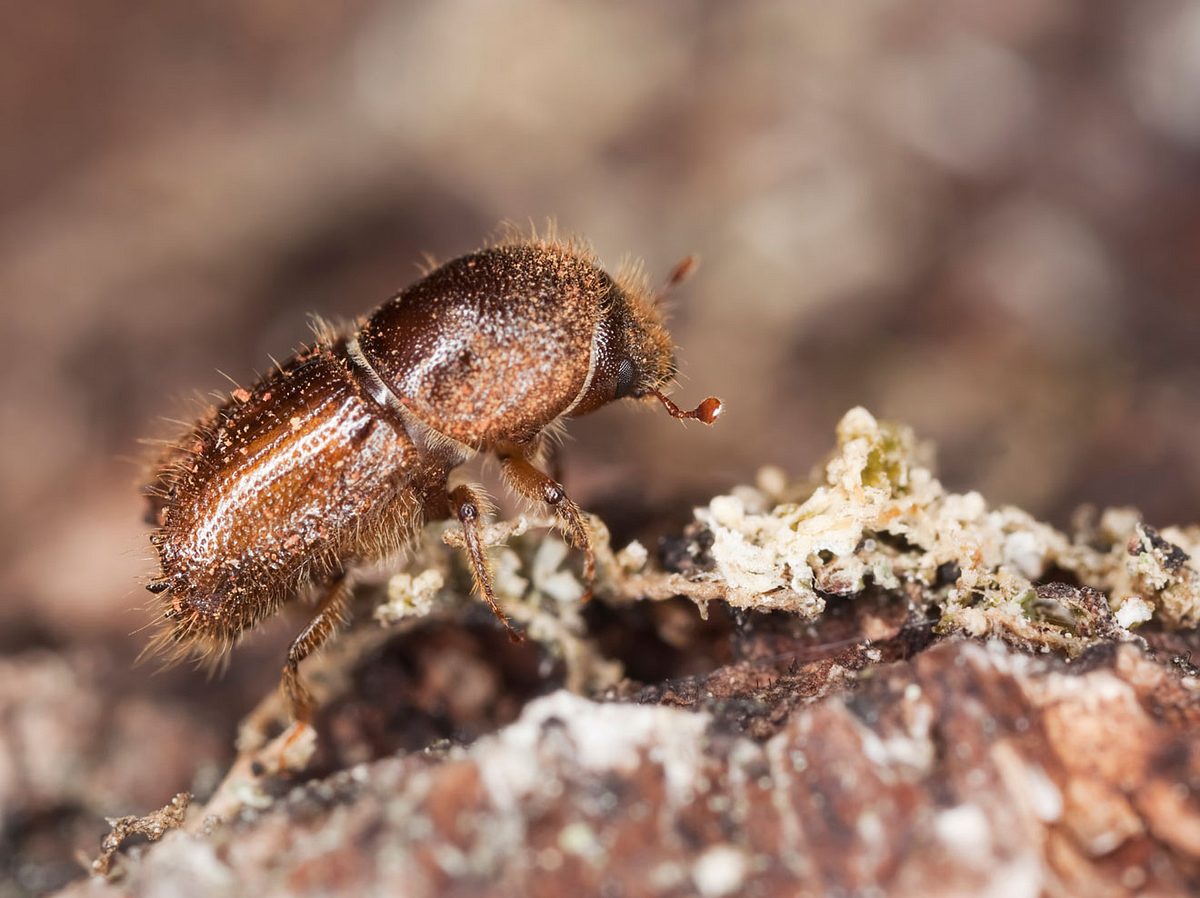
(707, 411)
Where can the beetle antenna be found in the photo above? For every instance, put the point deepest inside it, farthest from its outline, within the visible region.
(685, 268)
(707, 411)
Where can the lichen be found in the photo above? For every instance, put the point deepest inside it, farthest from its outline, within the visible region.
(410, 596)
(153, 826)
(1134, 562)
(878, 517)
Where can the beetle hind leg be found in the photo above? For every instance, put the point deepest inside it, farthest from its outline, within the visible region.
(329, 616)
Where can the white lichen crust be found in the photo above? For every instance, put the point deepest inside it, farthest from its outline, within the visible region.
(880, 518)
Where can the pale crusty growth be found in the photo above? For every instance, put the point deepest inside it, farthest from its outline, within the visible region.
(879, 517)
(1147, 572)
(153, 826)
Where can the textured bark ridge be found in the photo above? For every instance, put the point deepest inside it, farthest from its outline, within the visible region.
(896, 690)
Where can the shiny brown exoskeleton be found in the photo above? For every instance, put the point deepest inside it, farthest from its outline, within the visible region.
(338, 455)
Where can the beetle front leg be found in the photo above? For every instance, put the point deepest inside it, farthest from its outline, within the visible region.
(465, 506)
(526, 480)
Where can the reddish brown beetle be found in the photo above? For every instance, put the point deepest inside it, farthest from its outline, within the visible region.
(338, 455)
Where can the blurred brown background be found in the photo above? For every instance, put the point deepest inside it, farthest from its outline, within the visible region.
(981, 218)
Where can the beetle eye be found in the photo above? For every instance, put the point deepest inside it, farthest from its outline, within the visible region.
(625, 378)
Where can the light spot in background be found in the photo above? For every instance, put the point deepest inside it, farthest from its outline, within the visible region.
(1045, 267)
(719, 871)
(967, 104)
(1162, 66)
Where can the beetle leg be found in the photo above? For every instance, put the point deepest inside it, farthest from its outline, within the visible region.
(526, 480)
(465, 505)
(327, 619)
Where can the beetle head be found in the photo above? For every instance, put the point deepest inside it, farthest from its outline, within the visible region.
(634, 353)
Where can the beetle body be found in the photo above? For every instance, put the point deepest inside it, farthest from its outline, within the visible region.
(339, 454)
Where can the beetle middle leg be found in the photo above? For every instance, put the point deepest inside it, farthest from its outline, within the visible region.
(465, 506)
(528, 481)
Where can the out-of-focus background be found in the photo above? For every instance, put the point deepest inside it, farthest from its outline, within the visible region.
(980, 218)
